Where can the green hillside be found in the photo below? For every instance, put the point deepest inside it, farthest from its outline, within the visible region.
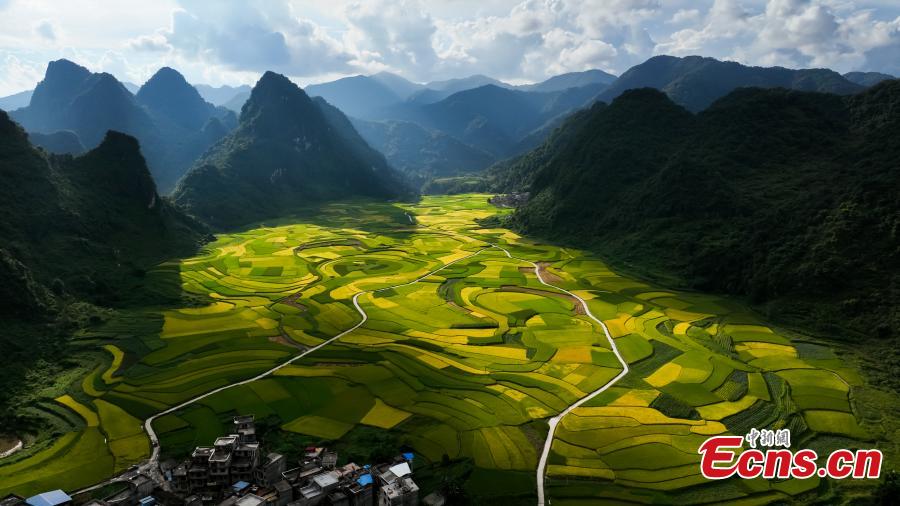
(785, 197)
(75, 230)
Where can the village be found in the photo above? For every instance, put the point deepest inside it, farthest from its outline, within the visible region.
(235, 471)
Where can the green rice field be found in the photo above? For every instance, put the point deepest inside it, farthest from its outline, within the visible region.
(467, 363)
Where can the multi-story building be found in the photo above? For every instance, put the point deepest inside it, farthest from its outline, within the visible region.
(245, 427)
(269, 472)
(198, 468)
(231, 459)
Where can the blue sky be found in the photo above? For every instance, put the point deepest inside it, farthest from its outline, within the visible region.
(222, 42)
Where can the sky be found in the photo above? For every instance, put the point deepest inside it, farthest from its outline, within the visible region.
(223, 42)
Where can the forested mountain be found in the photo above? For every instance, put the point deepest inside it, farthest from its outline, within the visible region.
(696, 82)
(172, 123)
(89, 221)
(285, 152)
(76, 232)
(786, 197)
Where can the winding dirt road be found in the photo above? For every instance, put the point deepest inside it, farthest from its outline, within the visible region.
(542, 462)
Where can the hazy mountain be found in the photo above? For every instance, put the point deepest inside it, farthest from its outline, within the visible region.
(786, 197)
(131, 87)
(63, 142)
(284, 153)
(867, 79)
(464, 83)
(571, 80)
(422, 153)
(220, 95)
(696, 82)
(168, 94)
(357, 96)
(401, 86)
(436, 91)
(15, 101)
(237, 102)
(492, 118)
(168, 117)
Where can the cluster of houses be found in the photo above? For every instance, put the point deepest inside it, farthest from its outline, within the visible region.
(233, 472)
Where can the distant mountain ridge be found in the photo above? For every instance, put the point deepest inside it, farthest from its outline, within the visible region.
(571, 80)
(696, 82)
(867, 79)
(287, 150)
(167, 116)
(220, 95)
(492, 118)
(16, 100)
(357, 96)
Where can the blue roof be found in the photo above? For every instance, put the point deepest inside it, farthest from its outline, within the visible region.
(148, 500)
(241, 485)
(364, 480)
(52, 498)
(409, 456)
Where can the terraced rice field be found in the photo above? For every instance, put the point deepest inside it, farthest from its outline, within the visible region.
(466, 363)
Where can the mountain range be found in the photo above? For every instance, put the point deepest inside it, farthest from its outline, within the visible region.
(788, 198)
(696, 82)
(169, 118)
(431, 130)
(287, 151)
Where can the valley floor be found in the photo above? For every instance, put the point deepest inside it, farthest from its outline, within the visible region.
(463, 362)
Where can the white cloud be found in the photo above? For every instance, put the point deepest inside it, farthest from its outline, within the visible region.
(684, 16)
(391, 34)
(253, 36)
(17, 75)
(517, 40)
